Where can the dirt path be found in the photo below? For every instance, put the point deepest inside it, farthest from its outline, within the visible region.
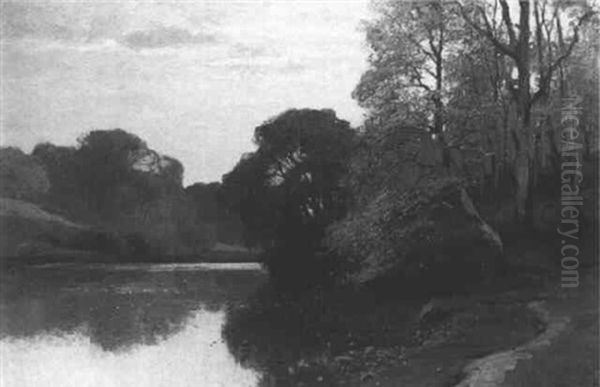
(502, 352)
(572, 358)
(564, 354)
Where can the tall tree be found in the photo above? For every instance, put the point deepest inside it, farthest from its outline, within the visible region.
(409, 42)
(515, 41)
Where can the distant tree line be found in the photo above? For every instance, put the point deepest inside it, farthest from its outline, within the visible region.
(113, 181)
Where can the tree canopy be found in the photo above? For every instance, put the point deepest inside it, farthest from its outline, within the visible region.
(21, 176)
(290, 188)
(112, 178)
(462, 96)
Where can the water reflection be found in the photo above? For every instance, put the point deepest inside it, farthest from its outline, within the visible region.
(121, 326)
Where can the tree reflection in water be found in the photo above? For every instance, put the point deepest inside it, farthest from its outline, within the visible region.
(96, 321)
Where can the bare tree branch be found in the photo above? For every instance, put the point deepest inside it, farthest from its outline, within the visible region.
(546, 77)
(487, 32)
(508, 23)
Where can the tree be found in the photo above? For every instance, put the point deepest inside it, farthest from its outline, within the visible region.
(290, 189)
(59, 162)
(62, 169)
(114, 180)
(409, 136)
(409, 174)
(409, 43)
(104, 159)
(206, 200)
(531, 52)
(208, 203)
(21, 176)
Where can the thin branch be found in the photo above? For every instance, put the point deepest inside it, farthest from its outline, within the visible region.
(487, 32)
(508, 23)
(545, 82)
(429, 54)
(538, 36)
(419, 79)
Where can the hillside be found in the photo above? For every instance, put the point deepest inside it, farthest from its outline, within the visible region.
(28, 230)
(31, 233)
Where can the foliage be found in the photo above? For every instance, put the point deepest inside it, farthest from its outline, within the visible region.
(59, 163)
(21, 176)
(209, 206)
(289, 190)
(411, 232)
(408, 44)
(431, 89)
(537, 47)
(65, 194)
(114, 180)
(108, 155)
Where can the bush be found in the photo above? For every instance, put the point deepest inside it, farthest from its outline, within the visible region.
(430, 232)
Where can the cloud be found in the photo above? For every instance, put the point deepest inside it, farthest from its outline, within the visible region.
(30, 20)
(193, 78)
(165, 37)
(133, 25)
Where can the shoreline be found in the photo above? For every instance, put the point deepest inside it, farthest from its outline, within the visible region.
(90, 257)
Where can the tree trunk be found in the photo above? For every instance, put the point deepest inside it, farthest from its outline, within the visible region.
(523, 96)
(522, 192)
(523, 165)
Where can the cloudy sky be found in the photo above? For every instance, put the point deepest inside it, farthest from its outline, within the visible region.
(191, 78)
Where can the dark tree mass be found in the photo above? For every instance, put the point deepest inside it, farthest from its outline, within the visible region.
(291, 188)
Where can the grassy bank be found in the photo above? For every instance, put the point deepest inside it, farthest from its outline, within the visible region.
(33, 235)
(384, 336)
(81, 257)
(358, 337)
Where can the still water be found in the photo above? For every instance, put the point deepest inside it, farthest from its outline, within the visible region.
(122, 325)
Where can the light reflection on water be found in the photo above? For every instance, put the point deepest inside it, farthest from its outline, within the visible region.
(83, 326)
(195, 356)
(161, 267)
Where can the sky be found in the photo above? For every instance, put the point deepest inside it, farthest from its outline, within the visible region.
(191, 78)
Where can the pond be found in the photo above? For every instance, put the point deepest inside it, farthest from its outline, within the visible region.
(122, 325)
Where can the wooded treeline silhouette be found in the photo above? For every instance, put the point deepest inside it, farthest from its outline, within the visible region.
(132, 196)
